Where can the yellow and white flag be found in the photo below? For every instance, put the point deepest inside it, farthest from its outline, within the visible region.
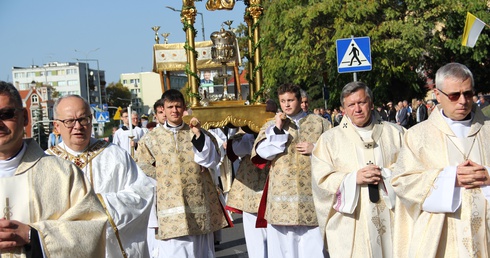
(472, 29)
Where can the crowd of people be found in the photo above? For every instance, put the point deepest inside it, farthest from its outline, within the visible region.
(357, 181)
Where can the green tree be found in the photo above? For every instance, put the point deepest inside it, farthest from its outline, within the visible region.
(409, 41)
(118, 95)
(445, 46)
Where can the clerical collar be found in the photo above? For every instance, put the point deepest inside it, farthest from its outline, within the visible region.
(368, 127)
(8, 167)
(74, 152)
(297, 117)
(460, 128)
(173, 128)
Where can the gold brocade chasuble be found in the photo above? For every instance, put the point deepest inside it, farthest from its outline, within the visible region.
(367, 232)
(187, 199)
(430, 147)
(289, 199)
(62, 207)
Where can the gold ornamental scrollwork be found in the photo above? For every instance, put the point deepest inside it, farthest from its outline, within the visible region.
(189, 14)
(213, 5)
(255, 11)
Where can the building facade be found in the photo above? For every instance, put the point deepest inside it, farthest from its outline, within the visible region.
(65, 78)
(146, 89)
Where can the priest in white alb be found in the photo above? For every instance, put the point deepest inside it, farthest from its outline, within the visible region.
(123, 189)
(351, 171)
(441, 177)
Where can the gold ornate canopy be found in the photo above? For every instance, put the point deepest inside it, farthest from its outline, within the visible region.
(192, 55)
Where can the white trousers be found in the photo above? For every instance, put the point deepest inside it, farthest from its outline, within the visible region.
(294, 242)
(199, 246)
(255, 238)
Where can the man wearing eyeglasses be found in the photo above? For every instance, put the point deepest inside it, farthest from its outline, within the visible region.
(441, 177)
(48, 207)
(123, 189)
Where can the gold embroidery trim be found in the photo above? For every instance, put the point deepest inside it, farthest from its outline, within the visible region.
(113, 225)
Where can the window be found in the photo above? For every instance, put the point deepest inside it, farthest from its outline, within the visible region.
(71, 71)
(34, 98)
(31, 74)
(19, 75)
(72, 82)
(125, 81)
(61, 83)
(131, 81)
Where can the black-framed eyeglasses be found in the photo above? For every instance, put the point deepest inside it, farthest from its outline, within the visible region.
(456, 95)
(8, 113)
(70, 123)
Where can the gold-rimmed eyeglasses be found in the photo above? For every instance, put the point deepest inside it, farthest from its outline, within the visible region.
(70, 123)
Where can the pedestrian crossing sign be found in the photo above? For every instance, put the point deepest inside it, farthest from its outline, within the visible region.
(354, 55)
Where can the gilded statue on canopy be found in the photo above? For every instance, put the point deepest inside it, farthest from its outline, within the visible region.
(213, 5)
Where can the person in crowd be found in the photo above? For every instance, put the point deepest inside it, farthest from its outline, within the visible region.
(430, 106)
(328, 115)
(49, 207)
(54, 138)
(391, 112)
(338, 116)
(421, 113)
(351, 171)
(123, 189)
(483, 102)
(441, 177)
(287, 142)
(402, 115)
(160, 116)
(122, 135)
(178, 156)
(382, 113)
(476, 100)
(316, 111)
(305, 102)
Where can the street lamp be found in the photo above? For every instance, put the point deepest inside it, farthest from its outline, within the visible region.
(86, 70)
(202, 20)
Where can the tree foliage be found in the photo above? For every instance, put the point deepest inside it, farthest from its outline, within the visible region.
(118, 95)
(409, 41)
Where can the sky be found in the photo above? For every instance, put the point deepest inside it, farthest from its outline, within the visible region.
(117, 33)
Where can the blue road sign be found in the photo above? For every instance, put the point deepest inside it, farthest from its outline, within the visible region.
(354, 55)
(102, 117)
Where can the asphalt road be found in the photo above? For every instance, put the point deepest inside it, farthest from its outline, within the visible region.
(233, 240)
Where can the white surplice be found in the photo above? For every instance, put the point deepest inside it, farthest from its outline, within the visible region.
(123, 189)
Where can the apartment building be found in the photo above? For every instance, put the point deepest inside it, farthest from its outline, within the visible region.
(65, 78)
(145, 88)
